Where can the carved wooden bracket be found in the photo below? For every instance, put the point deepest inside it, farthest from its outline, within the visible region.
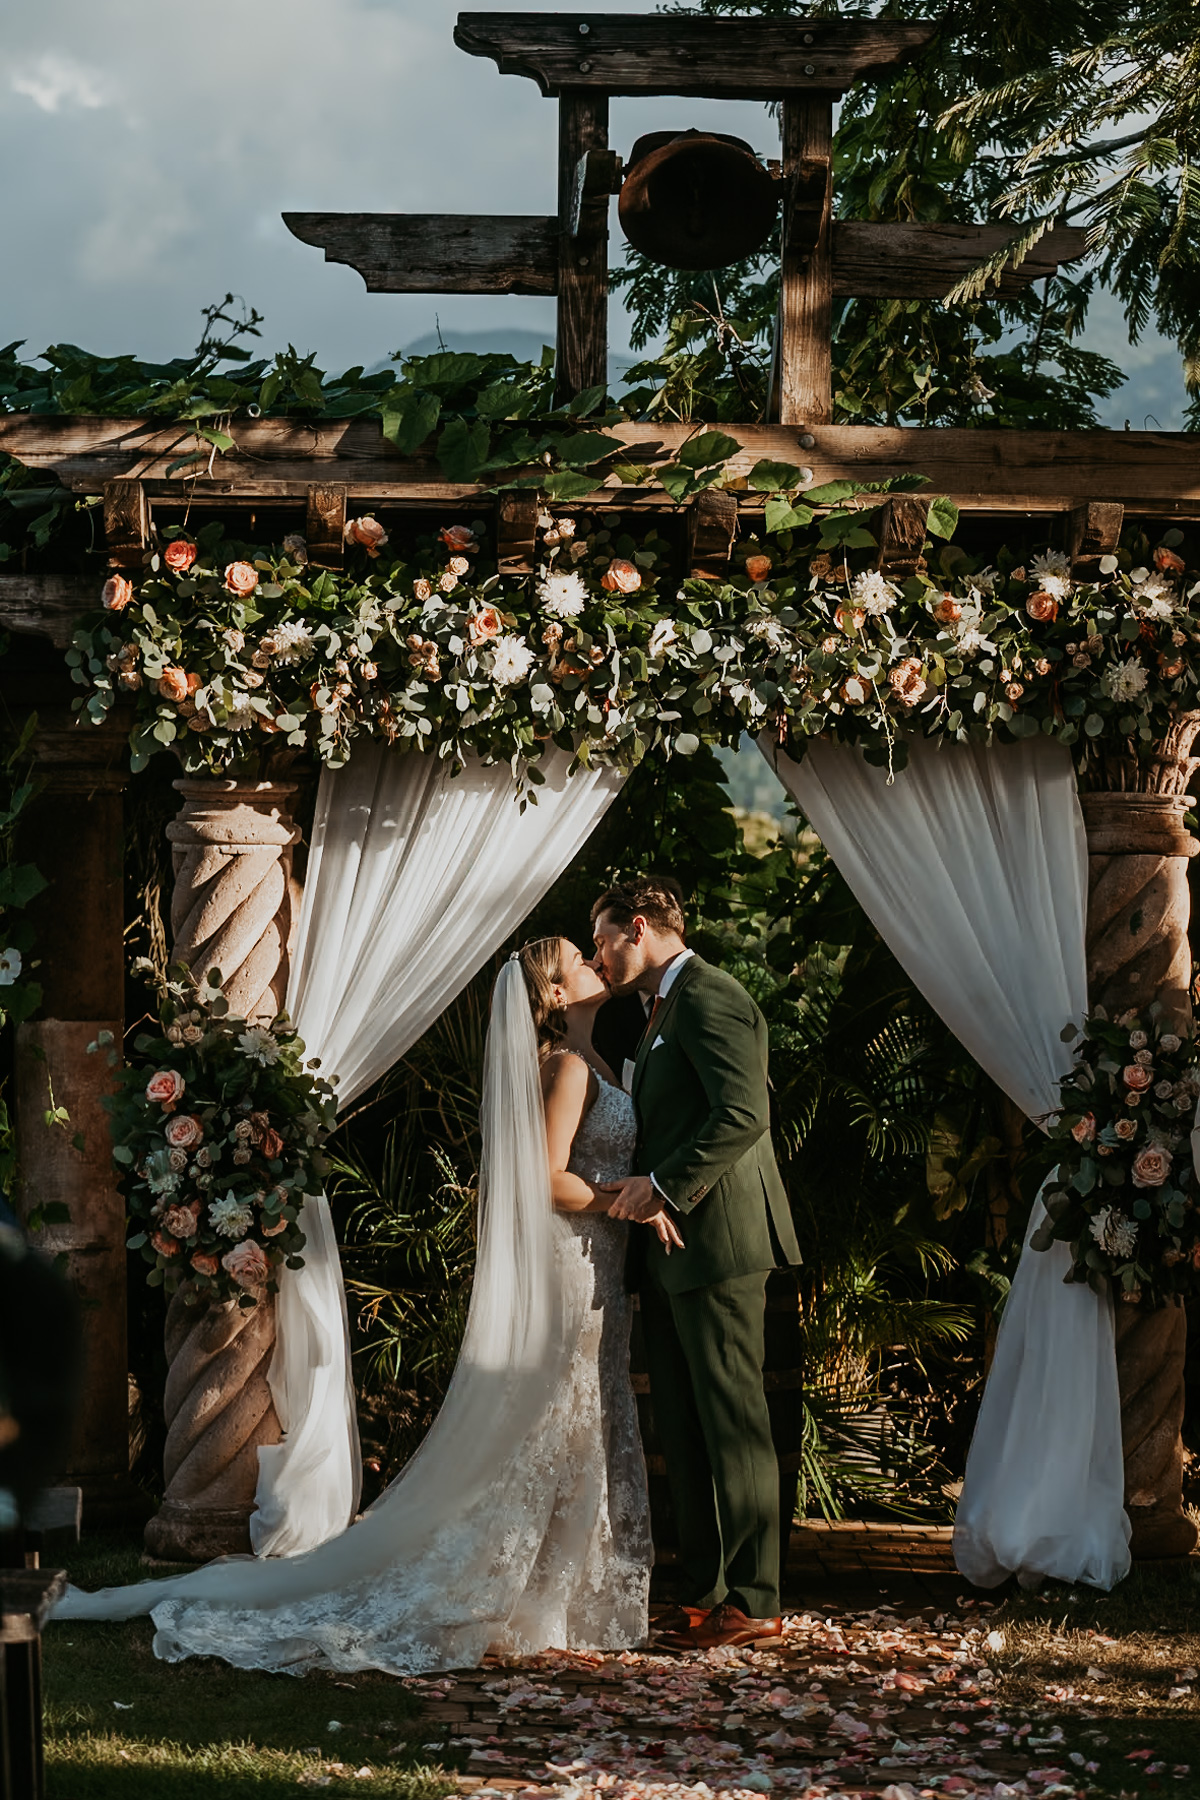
(516, 533)
(598, 175)
(126, 523)
(902, 521)
(712, 527)
(1094, 531)
(325, 526)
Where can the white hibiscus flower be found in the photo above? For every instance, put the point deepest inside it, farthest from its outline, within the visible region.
(512, 660)
(563, 594)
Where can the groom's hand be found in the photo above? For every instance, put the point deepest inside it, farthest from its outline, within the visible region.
(637, 1199)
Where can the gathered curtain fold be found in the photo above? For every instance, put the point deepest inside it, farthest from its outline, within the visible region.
(972, 865)
(415, 877)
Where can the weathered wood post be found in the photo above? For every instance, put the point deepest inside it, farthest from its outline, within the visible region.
(235, 908)
(1138, 952)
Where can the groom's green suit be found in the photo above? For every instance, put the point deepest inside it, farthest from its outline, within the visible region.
(700, 1091)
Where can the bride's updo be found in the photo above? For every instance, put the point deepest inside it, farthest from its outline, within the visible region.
(541, 965)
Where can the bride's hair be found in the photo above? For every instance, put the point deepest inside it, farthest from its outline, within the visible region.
(541, 965)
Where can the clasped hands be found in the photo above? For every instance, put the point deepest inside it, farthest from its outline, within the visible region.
(638, 1200)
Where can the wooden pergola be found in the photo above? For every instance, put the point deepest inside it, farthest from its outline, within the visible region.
(1076, 486)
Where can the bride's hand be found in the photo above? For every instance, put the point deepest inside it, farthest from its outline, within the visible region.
(667, 1230)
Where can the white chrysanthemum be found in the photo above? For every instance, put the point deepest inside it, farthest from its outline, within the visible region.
(769, 631)
(293, 642)
(984, 582)
(1054, 562)
(240, 717)
(970, 639)
(512, 660)
(1125, 681)
(260, 1045)
(874, 592)
(563, 594)
(661, 638)
(1155, 595)
(231, 1216)
(1114, 1231)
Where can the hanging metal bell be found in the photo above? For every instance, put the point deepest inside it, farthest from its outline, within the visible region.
(696, 199)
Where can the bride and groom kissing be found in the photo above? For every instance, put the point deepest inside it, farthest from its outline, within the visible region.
(522, 1523)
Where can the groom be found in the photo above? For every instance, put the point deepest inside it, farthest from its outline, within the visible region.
(699, 1085)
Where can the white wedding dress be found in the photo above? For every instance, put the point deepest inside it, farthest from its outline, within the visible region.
(522, 1523)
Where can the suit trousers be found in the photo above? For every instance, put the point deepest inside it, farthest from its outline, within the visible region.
(704, 1353)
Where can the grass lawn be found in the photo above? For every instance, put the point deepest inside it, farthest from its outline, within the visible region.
(121, 1723)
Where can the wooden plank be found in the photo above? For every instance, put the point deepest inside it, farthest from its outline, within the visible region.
(581, 358)
(712, 528)
(749, 59)
(277, 460)
(878, 260)
(126, 523)
(437, 253)
(45, 606)
(516, 533)
(325, 525)
(1093, 531)
(901, 528)
(806, 282)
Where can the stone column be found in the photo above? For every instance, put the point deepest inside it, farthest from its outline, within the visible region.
(1138, 952)
(235, 908)
(73, 834)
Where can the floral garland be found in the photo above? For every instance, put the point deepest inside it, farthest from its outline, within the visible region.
(224, 650)
(1124, 1194)
(217, 1132)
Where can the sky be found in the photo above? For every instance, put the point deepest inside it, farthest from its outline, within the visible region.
(151, 145)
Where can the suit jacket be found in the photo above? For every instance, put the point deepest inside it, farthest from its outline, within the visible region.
(700, 1092)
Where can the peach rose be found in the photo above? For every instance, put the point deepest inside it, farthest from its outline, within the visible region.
(1170, 667)
(166, 1246)
(271, 1144)
(758, 567)
(241, 578)
(368, 532)
(1167, 559)
(117, 593)
(1126, 1128)
(1137, 1078)
(907, 681)
(948, 610)
(179, 555)
(173, 685)
(1013, 691)
(459, 538)
(1084, 1130)
(182, 1221)
(203, 1263)
(854, 690)
(183, 1131)
(458, 565)
(621, 577)
(1043, 607)
(1151, 1166)
(421, 589)
(246, 1263)
(483, 625)
(165, 1089)
(851, 618)
(271, 1227)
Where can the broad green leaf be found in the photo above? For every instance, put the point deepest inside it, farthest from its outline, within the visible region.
(462, 449)
(710, 447)
(568, 484)
(584, 447)
(943, 517)
(408, 420)
(773, 477)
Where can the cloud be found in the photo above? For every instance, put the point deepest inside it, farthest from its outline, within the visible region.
(53, 82)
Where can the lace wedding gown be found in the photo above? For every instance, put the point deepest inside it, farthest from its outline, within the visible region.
(553, 1552)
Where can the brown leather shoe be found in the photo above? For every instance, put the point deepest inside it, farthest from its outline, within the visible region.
(729, 1625)
(678, 1622)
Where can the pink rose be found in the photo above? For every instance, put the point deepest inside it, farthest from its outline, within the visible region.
(368, 532)
(183, 1131)
(241, 578)
(246, 1263)
(948, 610)
(1084, 1130)
(1136, 1077)
(458, 537)
(182, 1221)
(907, 681)
(1151, 1166)
(758, 567)
(179, 555)
(203, 1263)
(1126, 1128)
(621, 577)
(117, 593)
(173, 685)
(1042, 607)
(164, 1245)
(165, 1088)
(483, 625)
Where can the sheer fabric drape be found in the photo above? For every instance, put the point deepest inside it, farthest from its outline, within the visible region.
(414, 878)
(972, 865)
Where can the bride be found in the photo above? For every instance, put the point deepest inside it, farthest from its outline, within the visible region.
(521, 1524)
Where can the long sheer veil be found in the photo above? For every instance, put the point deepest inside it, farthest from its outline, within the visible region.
(468, 1474)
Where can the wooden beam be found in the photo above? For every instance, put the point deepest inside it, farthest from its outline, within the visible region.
(712, 528)
(876, 260)
(1093, 531)
(278, 460)
(126, 523)
(325, 525)
(901, 530)
(437, 253)
(806, 282)
(597, 177)
(726, 59)
(46, 606)
(516, 533)
(581, 359)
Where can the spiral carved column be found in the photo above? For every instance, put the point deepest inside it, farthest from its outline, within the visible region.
(235, 908)
(1138, 953)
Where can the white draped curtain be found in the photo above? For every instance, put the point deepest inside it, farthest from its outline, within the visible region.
(415, 878)
(972, 865)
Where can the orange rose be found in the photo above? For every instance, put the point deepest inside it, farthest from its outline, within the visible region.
(203, 1263)
(851, 618)
(117, 593)
(271, 1227)
(368, 532)
(1137, 1077)
(458, 537)
(758, 567)
(271, 1144)
(173, 685)
(483, 625)
(947, 611)
(621, 577)
(179, 555)
(1170, 667)
(1167, 559)
(241, 578)
(1084, 1130)
(1043, 607)
(165, 1246)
